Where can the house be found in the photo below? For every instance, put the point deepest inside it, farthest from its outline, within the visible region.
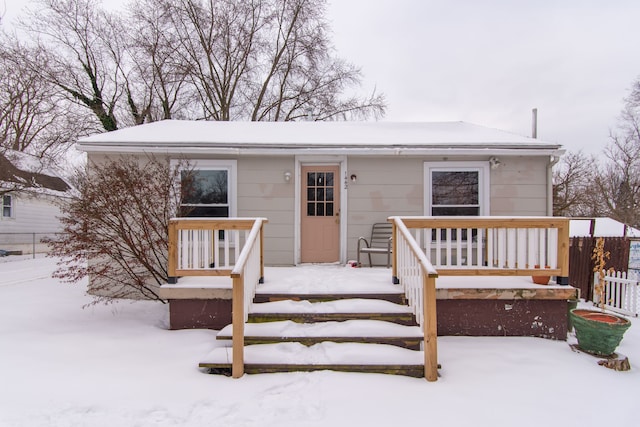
(480, 197)
(323, 184)
(30, 200)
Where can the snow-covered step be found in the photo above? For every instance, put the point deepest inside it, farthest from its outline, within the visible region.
(293, 356)
(362, 331)
(394, 297)
(338, 310)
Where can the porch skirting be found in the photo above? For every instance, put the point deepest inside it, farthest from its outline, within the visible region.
(468, 313)
(199, 313)
(522, 317)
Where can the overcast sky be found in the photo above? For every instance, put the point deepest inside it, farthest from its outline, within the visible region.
(490, 62)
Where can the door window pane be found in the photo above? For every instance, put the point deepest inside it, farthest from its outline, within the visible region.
(329, 194)
(320, 193)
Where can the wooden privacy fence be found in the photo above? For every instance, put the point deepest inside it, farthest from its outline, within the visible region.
(222, 247)
(621, 294)
(581, 264)
(417, 276)
(499, 246)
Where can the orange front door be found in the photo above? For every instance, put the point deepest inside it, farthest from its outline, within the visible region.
(320, 214)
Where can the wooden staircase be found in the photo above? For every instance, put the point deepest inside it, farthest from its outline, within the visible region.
(357, 332)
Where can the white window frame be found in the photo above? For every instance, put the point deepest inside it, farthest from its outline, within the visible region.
(231, 166)
(11, 206)
(483, 181)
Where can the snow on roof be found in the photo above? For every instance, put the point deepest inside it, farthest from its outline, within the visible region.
(28, 171)
(604, 227)
(182, 133)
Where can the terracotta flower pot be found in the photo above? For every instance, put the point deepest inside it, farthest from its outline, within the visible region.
(597, 332)
(541, 280)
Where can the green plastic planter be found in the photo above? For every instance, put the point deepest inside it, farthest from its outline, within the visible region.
(597, 332)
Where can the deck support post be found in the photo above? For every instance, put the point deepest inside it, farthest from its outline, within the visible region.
(237, 316)
(430, 327)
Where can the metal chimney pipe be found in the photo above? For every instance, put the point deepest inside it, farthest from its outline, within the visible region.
(534, 123)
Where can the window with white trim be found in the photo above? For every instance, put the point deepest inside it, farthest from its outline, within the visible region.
(456, 189)
(208, 189)
(7, 206)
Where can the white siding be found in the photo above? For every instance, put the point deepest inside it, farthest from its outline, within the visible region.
(30, 215)
(519, 187)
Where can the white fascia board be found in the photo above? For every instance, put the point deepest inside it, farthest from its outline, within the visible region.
(361, 151)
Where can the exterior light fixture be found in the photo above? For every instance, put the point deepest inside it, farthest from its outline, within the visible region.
(287, 176)
(494, 162)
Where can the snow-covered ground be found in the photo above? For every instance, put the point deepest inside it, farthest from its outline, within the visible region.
(118, 365)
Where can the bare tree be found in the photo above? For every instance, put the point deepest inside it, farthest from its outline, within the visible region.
(77, 38)
(267, 60)
(115, 228)
(573, 186)
(618, 182)
(156, 68)
(34, 116)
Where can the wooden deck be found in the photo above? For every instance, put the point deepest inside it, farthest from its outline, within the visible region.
(313, 310)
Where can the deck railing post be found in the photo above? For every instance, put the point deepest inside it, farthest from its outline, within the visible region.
(261, 280)
(237, 319)
(430, 329)
(173, 251)
(394, 252)
(563, 252)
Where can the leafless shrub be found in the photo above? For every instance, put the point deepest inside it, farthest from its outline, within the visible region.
(115, 227)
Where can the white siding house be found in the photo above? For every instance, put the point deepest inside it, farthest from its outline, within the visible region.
(323, 184)
(30, 210)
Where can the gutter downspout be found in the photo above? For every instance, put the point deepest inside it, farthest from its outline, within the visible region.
(553, 160)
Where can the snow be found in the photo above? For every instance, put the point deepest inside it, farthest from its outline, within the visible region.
(118, 365)
(348, 328)
(338, 306)
(605, 227)
(295, 134)
(320, 354)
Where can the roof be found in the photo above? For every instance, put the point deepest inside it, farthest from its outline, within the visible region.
(28, 172)
(186, 136)
(604, 227)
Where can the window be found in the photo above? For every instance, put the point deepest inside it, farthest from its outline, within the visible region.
(7, 206)
(320, 187)
(455, 193)
(456, 189)
(209, 190)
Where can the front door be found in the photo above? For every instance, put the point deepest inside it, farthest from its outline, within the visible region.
(320, 214)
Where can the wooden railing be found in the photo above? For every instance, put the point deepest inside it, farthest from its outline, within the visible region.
(207, 246)
(222, 247)
(502, 246)
(415, 273)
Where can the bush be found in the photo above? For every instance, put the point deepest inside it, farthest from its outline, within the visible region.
(115, 227)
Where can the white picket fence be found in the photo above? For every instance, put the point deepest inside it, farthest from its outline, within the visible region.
(622, 293)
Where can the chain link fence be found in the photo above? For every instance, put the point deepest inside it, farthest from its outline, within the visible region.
(24, 243)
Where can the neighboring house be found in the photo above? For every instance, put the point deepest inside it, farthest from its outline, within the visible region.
(30, 201)
(323, 184)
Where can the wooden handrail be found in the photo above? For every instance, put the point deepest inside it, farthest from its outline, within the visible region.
(519, 227)
(242, 295)
(421, 296)
(246, 272)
